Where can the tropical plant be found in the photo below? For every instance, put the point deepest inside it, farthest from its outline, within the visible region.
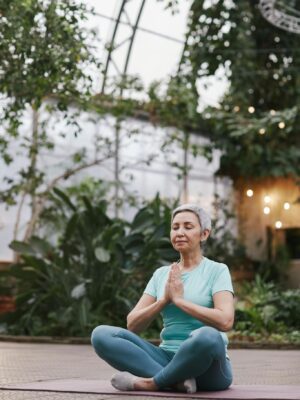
(259, 114)
(223, 244)
(265, 308)
(92, 273)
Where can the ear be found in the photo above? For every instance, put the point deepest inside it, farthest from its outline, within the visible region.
(204, 235)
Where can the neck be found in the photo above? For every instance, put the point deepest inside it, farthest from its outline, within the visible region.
(190, 260)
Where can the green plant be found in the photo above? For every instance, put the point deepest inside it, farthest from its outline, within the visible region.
(92, 273)
(258, 117)
(46, 61)
(224, 245)
(265, 308)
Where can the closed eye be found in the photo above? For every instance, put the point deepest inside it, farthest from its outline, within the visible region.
(185, 227)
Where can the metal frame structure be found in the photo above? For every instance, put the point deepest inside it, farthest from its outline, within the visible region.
(280, 15)
(115, 43)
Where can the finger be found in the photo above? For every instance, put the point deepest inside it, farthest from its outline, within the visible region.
(176, 271)
(176, 268)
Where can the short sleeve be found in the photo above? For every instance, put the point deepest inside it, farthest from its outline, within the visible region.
(222, 281)
(151, 287)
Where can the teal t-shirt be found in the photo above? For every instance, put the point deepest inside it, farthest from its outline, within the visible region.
(200, 284)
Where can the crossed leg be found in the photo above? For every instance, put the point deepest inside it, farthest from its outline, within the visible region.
(201, 356)
(126, 351)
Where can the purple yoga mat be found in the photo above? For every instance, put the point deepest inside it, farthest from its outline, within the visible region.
(235, 392)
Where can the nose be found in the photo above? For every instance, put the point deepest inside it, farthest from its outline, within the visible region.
(180, 232)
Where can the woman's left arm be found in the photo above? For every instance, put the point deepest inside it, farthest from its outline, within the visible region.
(220, 317)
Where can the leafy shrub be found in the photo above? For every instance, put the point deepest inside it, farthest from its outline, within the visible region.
(92, 273)
(265, 308)
(223, 244)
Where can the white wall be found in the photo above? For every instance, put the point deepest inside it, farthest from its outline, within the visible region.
(147, 180)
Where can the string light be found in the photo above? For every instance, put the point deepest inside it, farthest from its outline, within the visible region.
(286, 206)
(278, 224)
(267, 210)
(262, 131)
(267, 199)
(281, 125)
(251, 109)
(273, 112)
(249, 192)
(236, 108)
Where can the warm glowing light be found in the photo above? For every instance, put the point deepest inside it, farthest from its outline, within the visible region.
(249, 192)
(281, 125)
(267, 210)
(286, 206)
(236, 108)
(251, 109)
(272, 112)
(278, 224)
(267, 199)
(262, 131)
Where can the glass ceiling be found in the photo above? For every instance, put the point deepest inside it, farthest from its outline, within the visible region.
(157, 46)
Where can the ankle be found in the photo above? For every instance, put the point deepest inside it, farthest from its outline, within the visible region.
(146, 384)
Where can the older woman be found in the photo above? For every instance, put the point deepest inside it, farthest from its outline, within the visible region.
(195, 299)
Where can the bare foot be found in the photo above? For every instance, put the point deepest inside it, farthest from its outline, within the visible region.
(145, 384)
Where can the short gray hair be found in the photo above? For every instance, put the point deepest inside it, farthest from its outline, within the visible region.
(203, 216)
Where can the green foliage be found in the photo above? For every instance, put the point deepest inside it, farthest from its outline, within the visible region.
(173, 104)
(270, 151)
(260, 60)
(265, 308)
(92, 273)
(47, 61)
(44, 51)
(261, 63)
(223, 245)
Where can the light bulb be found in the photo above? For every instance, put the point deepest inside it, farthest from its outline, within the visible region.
(262, 131)
(251, 109)
(278, 224)
(267, 210)
(267, 199)
(249, 192)
(236, 108)
(281, 125)
(272, 112)
(286, 206)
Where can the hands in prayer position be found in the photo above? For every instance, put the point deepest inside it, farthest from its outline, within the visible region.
(174, 286)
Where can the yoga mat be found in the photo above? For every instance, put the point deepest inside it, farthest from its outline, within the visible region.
(235, 392)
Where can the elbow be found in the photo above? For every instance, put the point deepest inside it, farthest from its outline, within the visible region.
(130, 325)
(226, 325)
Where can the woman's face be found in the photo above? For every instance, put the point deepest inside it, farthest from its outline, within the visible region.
(185, 232)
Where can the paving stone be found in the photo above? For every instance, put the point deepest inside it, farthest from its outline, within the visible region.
(27, 395)
(28, 362)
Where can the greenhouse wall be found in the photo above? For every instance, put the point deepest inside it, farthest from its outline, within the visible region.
(139, 141)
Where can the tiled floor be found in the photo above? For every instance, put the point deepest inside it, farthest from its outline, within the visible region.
(24, 362)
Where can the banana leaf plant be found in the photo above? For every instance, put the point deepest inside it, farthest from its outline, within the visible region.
(91, 273)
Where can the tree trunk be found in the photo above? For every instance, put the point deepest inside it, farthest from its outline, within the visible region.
(33, 153)
(185, 195)
(117, 167)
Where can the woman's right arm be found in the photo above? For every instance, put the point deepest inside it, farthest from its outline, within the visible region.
(144, 312)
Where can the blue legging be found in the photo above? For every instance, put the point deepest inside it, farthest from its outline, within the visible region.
(202, 356)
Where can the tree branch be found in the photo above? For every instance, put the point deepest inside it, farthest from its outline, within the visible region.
(40, 205)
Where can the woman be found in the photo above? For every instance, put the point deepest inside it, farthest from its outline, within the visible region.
(195, 298)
